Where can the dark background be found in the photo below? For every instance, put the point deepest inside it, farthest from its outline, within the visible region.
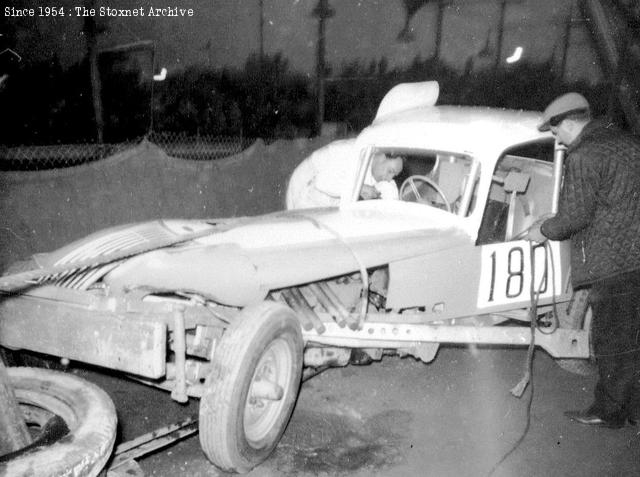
(49, 101)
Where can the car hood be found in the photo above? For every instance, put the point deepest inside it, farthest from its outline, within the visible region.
(238, 261)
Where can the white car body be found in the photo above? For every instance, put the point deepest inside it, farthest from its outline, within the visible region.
(434, 261)
(439, 276)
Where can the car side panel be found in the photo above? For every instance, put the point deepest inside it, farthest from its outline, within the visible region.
(444, 283)
(471, 280)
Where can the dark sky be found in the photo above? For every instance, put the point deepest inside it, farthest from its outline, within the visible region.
(225, 32)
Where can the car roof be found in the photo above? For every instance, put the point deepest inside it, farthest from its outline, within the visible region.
(458, 129)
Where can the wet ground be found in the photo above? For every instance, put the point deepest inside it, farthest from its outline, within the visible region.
(401, 417)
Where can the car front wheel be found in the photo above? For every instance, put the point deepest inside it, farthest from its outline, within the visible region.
(251, 392)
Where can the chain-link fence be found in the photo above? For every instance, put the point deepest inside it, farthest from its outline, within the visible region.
(199, 147)
(33, 158)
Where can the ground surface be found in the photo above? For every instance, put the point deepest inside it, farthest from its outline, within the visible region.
(401, 417)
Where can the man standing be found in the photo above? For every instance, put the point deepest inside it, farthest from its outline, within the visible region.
(599, 210)
(321, 178)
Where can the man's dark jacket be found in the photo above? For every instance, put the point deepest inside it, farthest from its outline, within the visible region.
(599, 205)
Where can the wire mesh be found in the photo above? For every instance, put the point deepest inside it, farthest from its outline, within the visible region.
(199, 147)
(180, 145)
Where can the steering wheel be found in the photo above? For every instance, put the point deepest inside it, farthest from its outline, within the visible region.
(410, 183)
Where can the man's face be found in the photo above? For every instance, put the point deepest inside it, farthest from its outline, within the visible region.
(564, 132)
(384, 168)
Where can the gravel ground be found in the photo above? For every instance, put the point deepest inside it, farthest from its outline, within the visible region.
(400, 417)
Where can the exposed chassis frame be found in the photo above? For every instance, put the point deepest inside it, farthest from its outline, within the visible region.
(562, 343)
(135, 337)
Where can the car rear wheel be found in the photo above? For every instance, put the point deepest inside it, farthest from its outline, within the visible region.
(73, 421)
(576, 315)
(251, 392)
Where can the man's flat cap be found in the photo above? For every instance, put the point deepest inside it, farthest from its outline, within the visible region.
(561, 107)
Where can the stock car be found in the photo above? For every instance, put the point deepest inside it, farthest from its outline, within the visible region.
(235, 311)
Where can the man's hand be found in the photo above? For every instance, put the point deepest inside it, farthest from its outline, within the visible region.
(369, 192)
(534, 233)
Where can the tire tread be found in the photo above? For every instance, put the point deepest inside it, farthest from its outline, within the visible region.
(87, 448)
(251, 322)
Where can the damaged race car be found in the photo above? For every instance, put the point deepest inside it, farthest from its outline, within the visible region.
(234, 311)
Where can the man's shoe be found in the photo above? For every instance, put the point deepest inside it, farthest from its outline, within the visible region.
(591, 419)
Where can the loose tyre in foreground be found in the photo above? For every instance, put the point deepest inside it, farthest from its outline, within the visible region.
(87, 412)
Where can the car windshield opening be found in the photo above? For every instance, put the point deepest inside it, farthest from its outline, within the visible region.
(438, 179)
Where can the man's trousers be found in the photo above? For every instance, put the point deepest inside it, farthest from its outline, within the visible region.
(615, 333)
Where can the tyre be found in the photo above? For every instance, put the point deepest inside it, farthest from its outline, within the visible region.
(252, 389)
(576, 314)
(81, 419)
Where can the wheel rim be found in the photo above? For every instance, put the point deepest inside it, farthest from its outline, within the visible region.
(267, 391)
